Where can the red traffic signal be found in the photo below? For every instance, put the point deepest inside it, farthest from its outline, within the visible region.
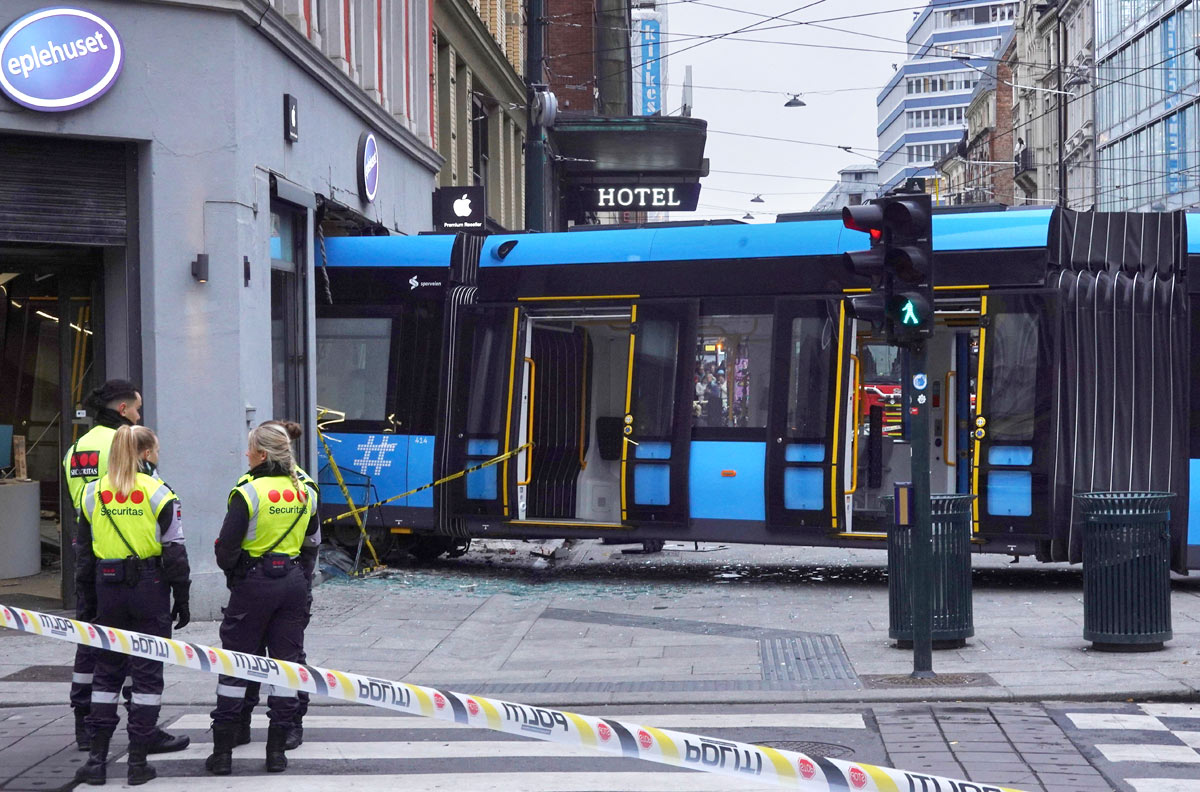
(867, 218)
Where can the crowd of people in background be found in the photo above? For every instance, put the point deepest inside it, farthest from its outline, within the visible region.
(711, 404)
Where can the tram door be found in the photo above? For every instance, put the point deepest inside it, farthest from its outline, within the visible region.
(572, 401)
(657, 421)
(810, 453)
(482, 394)
(1013, 424)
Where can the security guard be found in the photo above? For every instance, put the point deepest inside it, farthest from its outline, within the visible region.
(131, 559)
(267, 520)
(116, 403)
(308, 560)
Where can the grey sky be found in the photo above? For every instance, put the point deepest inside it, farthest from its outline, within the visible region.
(844, 118)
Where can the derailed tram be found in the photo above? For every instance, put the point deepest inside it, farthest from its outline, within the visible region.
(707, 383)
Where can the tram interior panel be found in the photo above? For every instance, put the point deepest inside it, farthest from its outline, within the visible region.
(885, 454)
(599, 485)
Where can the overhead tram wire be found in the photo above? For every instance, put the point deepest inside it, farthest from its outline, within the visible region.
(742, 29)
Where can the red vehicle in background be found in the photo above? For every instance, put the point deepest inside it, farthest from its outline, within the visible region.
(881, 385)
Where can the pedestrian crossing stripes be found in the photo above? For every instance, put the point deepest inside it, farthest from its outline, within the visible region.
(687, 720)
(664, 781)
(371, 752)
(1163, 735)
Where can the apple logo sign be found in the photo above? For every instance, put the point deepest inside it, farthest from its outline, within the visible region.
(462, 206)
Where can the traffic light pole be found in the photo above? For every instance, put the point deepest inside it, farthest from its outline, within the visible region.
(916, 386)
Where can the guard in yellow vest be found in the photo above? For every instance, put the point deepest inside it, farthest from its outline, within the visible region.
(131, 559)
(114, 404)
(308, 560)
(265, 526)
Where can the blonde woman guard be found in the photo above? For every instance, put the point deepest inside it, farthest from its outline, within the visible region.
(267, 520)
(131, 559)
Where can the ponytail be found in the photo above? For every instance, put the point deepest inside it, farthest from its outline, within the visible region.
(125, 457)
(274, 440)
(123, 461)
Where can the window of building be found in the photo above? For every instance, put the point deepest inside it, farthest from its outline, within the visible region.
(858, 177)
(855, 199)
(733, 371)
(288, 310)
(479, 142)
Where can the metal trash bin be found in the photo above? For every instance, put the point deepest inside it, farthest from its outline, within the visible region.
(1126, 570)
(953, 614)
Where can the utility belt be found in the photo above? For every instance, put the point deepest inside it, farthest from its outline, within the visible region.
(274, 565)
(126, 570)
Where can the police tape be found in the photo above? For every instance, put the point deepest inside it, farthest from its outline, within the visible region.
(743, 761)
(360, 509)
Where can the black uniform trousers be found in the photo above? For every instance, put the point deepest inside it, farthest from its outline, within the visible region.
(85, 664)
(143, 607)
(253, 688)
(84, 670)
(269, 612)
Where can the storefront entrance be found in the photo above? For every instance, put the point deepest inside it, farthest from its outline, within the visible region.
(48, 352)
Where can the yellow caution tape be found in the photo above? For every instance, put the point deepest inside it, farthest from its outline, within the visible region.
(355, 511)
(744, 761)
(337, 474)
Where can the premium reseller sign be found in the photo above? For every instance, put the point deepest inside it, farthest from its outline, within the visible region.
(59, 58)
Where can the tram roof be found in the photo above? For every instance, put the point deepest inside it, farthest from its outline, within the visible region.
(951, 232)
(430, 250)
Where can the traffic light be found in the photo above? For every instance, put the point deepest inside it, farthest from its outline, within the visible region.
(899, 263)
(908, 241)
(870, 263)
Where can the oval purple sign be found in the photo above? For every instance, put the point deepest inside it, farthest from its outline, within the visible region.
(368, 166)
(58, 59)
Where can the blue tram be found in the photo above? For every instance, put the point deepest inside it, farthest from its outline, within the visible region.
(704, 382)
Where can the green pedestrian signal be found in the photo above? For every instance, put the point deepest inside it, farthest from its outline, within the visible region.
(908, 314)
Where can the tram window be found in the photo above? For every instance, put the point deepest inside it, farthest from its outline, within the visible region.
(488, 358)
(656, 364)
(881, 363)
(1012, 345)
(352, 366)
(808, 378)
(733, 371)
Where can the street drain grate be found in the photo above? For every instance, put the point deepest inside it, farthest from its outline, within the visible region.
(827, 750)
(40, 673)
(941, 680)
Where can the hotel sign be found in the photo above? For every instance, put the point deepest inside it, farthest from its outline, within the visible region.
(650, 197)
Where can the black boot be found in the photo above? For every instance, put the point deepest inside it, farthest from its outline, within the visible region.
(276, 758)
(224, 738)
(243, 735)
(295, 737)
(163, 742)
(93, 772)
(82, 740)
(139, 771)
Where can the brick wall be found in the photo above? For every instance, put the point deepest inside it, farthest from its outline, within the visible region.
(1002, 136)
(570, 53)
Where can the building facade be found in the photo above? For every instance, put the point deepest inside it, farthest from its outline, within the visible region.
(855, 185)
(1053, 104)
(922, 109)
(979, 169)
(479, 111)
(1146, 92)
(167, 228)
